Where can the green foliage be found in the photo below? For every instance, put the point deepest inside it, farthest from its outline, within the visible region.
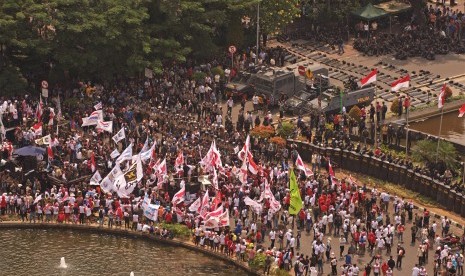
(199, 76)
(276, 14)
(425, 151)
(258, 263)
(355, 113)
(286, 130)
(11, 81)
(180, 231)
(329, 126)
(395, 106)
(328, 11)
(218, 71)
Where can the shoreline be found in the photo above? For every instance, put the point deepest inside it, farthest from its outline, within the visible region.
(91, 228)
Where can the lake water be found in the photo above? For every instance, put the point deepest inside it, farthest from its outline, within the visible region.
(453, 127)
(38, 252)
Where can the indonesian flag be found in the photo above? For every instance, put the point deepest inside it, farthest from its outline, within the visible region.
(52, 115)
(179, 196)
(253, 167)
(370, 78)
(462, 111)
(403, 82)
(178, 163)
(301, 166)
(92, 164)
(442, 96)
(50, 153)
(330, 169)
(37, 128)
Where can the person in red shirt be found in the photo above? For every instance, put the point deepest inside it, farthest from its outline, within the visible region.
(168, 217)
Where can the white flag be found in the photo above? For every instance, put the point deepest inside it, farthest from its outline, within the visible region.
(93, 119)
(125, 183)
(119, 136)
(38, 199)
(107, 183)
(195, 206)
(256, 207)
(114, 154)
(95, 179)
(125, 155)
(98, 106)
(44, 140)
(106, 126)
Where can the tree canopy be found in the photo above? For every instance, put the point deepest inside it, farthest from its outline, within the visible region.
(62, 40)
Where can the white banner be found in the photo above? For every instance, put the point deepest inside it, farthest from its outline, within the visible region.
(114, 154)
(105, 126)
(120, 135)
(125, 155)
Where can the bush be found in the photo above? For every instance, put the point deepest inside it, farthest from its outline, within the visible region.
(12, 82)
(395, 106)
(278, 141)
(218, 71)
(199, 76)
(258, 263)
(263, 131)
(286, 130)
(448, 92)
(355, 113)
(179, 231)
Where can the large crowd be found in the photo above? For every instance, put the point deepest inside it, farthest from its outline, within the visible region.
(179, 118)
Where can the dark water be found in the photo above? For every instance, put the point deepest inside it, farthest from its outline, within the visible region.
(453, 127)
(38, 252)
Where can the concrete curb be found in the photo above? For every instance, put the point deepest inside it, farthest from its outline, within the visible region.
(130, 234)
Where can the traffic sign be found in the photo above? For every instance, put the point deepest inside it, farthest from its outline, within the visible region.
(44, 84)
(232, 49)
(301, 70)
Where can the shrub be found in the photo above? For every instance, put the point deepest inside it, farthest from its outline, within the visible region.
(199, 76)
(286, 130)
(278, 141)
(258, 263)
(179, 230)
(355, 113)
(218, 71)
(448, 92)
(263, 131)
(395, 106)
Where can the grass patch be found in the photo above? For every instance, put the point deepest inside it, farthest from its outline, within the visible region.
(180, 231)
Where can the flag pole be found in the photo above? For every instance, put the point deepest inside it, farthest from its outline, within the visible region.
(376, 123)
(407, 130)
(439, 136)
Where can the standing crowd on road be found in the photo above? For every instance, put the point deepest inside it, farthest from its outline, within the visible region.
(248, 212)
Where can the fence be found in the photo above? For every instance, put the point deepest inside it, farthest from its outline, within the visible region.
(400, 175)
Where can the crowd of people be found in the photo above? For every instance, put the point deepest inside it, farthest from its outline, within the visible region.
(180, 119)
(443, 34)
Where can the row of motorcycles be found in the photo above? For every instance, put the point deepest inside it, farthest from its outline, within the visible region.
(426, 43)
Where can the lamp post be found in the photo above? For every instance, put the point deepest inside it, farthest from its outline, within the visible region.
(258, 33)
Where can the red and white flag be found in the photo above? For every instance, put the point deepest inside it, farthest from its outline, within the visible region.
(370, 78)
(242, 174)
(51, 117)
(403, 82)
(442, 97)
(205, 205)
(246, 148)
(196, 205)
(330, 169)
(39, 110)
(216, 213)
(215, 179)
(217, 200)
(301, 166)
(462, 111)
(253, 167)
(179, 196)
(179, 162)
(92, 164)
(37, 128)
(49, 153)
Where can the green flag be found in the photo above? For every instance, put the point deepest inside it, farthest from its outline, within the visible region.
(296, 200)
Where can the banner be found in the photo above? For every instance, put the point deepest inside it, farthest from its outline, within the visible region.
(179, 196)
(93, 119)
(120, 135)
(46, 140)
(256, 207)
(96, 178)
(114, 154)
(296, 200)
(125, 155)
(107, 184)
(125, 183)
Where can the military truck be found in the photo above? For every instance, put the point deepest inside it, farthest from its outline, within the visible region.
(276, 83)
(239, 86)
(330, 100)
